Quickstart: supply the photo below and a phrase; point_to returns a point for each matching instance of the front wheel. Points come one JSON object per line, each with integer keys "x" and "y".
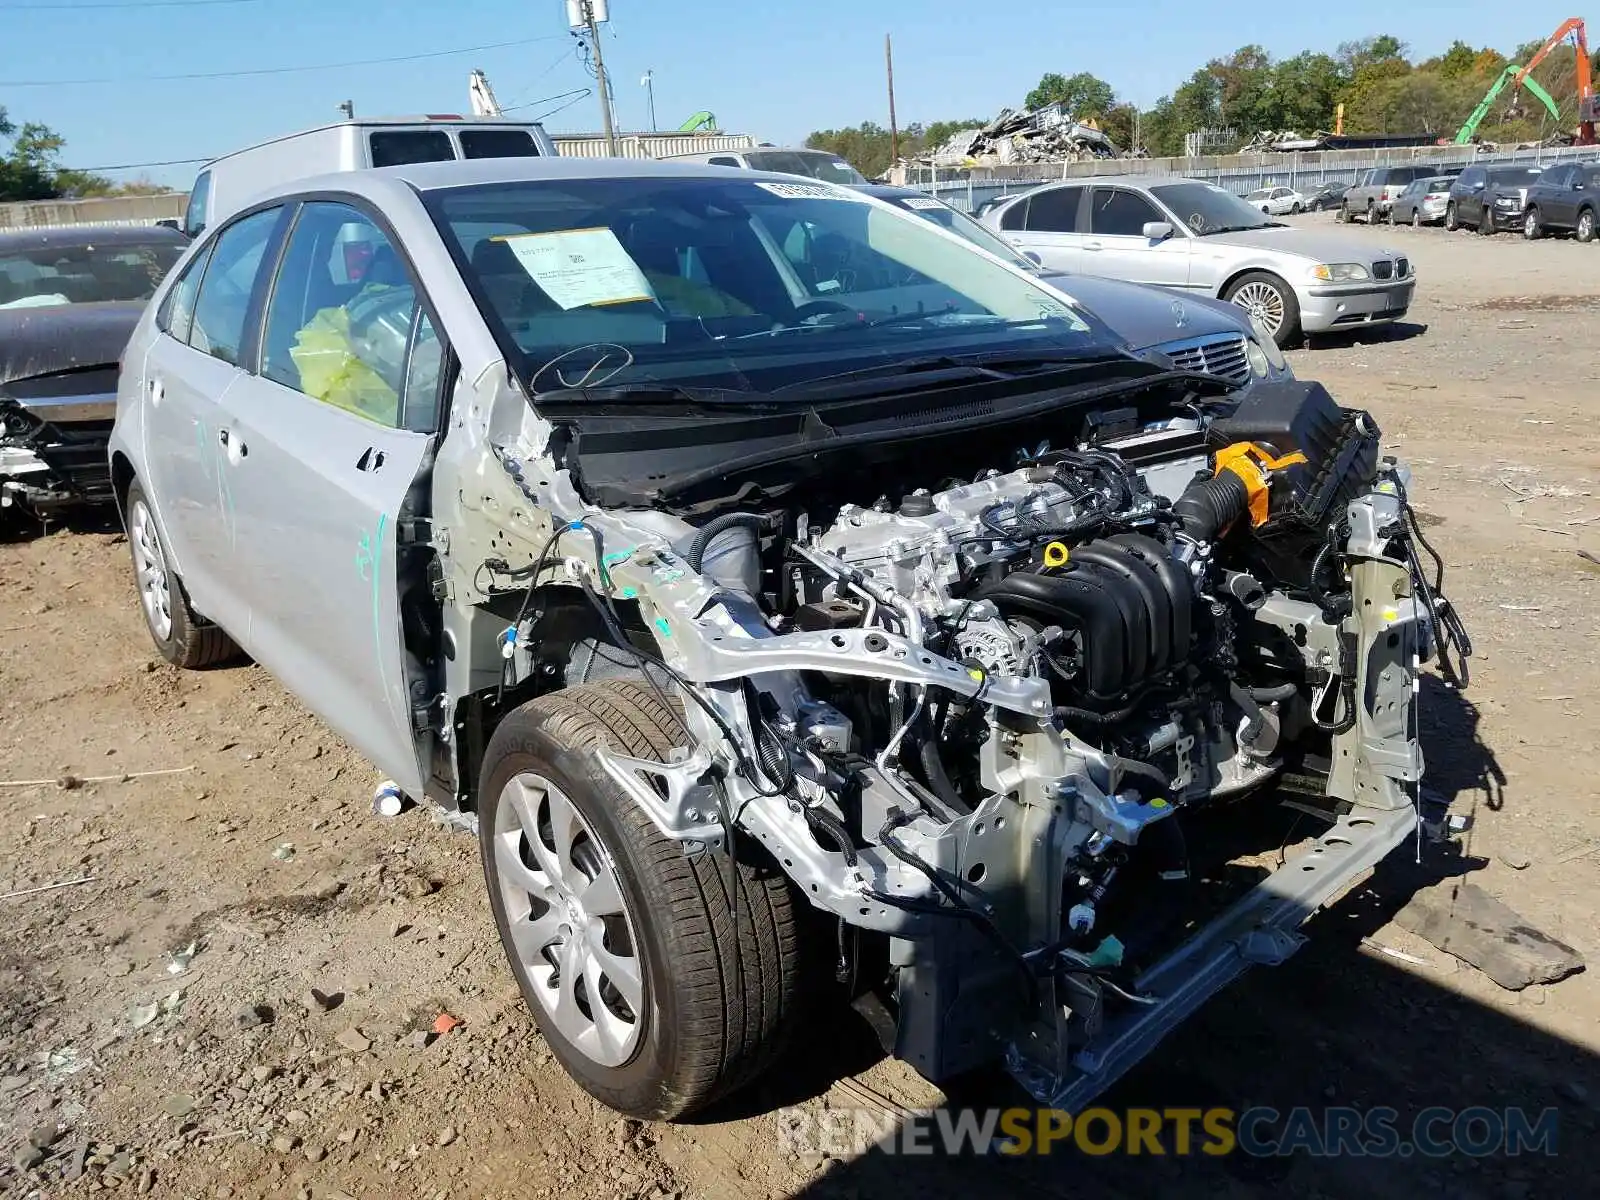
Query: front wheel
{"x": 1268, "y": 298}
{"x": 1343, "y": 215}
{"x": 1486, "y": 223}
{"x": 182, "y": 636}
{"x": 1531, "y": 228}
{"x": 661, "y": 982}
{"x": 1450, "y": 222}
{"x": 1416, "y": 218}
{"x": 1585, "y": 229}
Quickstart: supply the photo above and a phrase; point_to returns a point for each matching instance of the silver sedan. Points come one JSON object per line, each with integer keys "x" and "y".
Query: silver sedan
{"x": 1197, "y": 237}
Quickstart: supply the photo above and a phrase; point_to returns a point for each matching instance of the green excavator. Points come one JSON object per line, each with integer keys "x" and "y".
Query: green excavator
{"x": 701, "y": 120}
{"x": 1507, "y": 76}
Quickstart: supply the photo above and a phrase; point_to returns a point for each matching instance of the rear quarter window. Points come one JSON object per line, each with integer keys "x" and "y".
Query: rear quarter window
{"x": 497, "y": 143}
{"x": 397, "y": 147}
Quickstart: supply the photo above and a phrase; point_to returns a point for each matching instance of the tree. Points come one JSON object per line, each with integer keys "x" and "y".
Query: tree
{"x": 28, "y": 166}
{"x": 1080, "y": 95}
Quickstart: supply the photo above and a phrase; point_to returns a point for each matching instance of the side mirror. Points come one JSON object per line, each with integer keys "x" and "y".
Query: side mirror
{"x": 1033, "y": 258}
{"x": 1157, "y": 231}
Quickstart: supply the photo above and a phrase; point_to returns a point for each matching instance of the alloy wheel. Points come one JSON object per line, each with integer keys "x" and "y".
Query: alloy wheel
{"x": 1262, "y": 301}
{"x": 568, "y": 920}
{"x": 150, "y": 570}
{"x": 1416, "y": 218}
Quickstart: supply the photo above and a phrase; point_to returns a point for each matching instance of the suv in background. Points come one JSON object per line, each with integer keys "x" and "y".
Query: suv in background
{"x": 1377, "y": 188}
{"x": 813, "y": 164}
{"x": 1489, "y": 198}
{"x": 1564, "y": 200}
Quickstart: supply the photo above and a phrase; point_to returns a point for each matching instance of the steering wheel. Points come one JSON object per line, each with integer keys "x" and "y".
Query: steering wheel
{"x": 819, "y": 308}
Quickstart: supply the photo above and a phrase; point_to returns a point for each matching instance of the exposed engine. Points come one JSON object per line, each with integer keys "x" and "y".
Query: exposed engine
{"x": 1127, "y": 574}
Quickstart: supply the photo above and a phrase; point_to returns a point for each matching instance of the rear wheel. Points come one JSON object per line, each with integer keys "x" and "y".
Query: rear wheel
{"x": 182, "y": 636}
{"x": 1531, "y": 229}
{"x": 1416, "y": 218}
{"x": 1267, "y": 297}
{"x": 660, "y": 982}
{"x": 1585, "y": 228}
{"x": 1294, "y": 209}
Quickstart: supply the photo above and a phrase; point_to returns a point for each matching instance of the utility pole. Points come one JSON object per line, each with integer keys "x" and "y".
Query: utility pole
{"x": 600, "y": 77}
{"x": 894, "y": 131}
{"x": 649, "y": 82}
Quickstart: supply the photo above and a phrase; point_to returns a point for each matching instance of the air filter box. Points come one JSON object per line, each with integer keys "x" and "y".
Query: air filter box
{"x": 1340, "y": 446}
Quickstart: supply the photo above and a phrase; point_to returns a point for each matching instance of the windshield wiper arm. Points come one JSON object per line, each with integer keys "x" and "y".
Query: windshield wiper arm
{"x": 994, "y": 364}
{"x": 652, "y": 393}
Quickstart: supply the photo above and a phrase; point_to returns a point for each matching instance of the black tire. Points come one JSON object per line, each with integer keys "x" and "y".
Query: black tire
{"x": 188, "y": 639}
{"x": 1294, "y": 209}
{"x": 1450, "y": 222}
{"x": 1585, "y": 229}
{"x": 1343, "y": 215}
{"x": 1288, "y": 331}
{"x": 1531, "y": 229}
{"x": 1388, "y": 217}
{"x": 720, "y": 979}
{"x": 1486, "y": 222}
{"x": 1372, "y": 213}
{"x": 1416, "y": 218}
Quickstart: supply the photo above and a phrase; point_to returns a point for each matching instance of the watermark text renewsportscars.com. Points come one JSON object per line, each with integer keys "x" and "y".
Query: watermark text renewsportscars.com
{"x": 1435, "y": 1132}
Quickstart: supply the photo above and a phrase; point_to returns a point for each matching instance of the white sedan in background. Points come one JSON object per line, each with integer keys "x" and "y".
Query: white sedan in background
{"x": 1276, "y": 201}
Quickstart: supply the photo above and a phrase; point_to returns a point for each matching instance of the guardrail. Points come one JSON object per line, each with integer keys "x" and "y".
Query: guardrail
{"x": 110, "y": 210}
{"x": 969, "y": 188}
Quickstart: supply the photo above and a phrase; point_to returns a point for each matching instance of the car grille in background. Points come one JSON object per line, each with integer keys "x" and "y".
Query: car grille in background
{"x": 1383, "y": 269}
{"x": 1224, "y": 358}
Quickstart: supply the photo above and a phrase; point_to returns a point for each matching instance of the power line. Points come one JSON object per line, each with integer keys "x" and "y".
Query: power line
{"x": 66, "y": 8}
{"x": 257, "y": 71}
{"x": 170, "y": 162}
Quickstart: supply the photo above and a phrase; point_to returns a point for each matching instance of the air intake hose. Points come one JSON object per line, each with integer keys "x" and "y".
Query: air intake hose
{"x": 702, "y": 539}
{"x": 1209, "y": 506}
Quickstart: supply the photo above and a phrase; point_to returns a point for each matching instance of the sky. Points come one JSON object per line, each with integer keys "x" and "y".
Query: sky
{"x": 773, "y": 68}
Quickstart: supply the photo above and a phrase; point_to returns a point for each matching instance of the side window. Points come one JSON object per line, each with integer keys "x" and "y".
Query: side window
{"x": 194, "y": 215}
{"x": 397, "y": 147}
{"x": 176, "y": 314}
{"x": 1116, "y": 213}
{"x": 343, "y": 322}
{"x": 1054, "y": 211}
{"x": 1015, "y": 217}
{"x": 224, "y": 303}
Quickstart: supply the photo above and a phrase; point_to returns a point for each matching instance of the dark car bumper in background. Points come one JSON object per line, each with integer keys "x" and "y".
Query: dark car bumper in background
{"x": 53, "y": 446}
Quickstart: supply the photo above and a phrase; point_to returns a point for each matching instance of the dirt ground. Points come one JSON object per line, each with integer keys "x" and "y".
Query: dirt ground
{"x": 226, "y": 1077}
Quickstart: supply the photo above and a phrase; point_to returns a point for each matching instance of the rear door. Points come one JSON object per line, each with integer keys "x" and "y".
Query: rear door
{"x": 1045, "y": 224}
{"x": 339, "y": 421}
{"x": 191, "y": 367}
{"x": 1117, "y": 248}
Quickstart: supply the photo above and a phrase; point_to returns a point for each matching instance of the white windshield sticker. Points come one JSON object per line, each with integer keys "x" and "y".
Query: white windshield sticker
{"x": 580, "y": 266}
{"x": 922, "y": 202}
{"x": 806, "y": 191}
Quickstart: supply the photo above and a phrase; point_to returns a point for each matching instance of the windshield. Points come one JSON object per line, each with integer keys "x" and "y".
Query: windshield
{"x": 81, "y": 272}
{"x": 815, "y": 164}
{"x": 731, "y": 283}
{"x": 1516, "y": 177}
{"x": 963, "y": 226}
{"x": 1206, "y": 208}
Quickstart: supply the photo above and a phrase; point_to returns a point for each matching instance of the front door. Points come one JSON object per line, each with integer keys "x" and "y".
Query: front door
{"x": 1116, "y": 245}
{"x": 337, "y": 428}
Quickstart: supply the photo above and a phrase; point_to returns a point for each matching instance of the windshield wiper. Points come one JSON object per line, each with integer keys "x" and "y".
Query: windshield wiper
{"x": 993, "y": 364}
{"x": 652, "y": 393}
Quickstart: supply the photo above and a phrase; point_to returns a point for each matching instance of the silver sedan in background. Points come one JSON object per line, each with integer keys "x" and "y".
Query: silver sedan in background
{"x": 1200, "y": 238}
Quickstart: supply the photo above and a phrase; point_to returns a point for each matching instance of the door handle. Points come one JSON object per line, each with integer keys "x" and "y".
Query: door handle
{"x": 158, "y": 393}
{"x": 1092, "y": 246}
{"x": 235, "y": 447}
{"x": 371, "y": 460}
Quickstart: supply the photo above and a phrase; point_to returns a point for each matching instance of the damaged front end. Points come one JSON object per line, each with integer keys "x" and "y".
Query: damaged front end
{"x": 982, "y": 709}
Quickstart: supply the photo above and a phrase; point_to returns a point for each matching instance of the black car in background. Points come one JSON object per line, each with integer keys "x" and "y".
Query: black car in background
{"x": 1328, "y": 195}
{"x": 1489, "y": 199}
{"x": 1564, "y": 200}
{"x": 69, "y": 299}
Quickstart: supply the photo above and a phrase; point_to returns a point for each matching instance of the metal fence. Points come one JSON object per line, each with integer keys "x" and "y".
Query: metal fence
{"x": 967, "y": 189}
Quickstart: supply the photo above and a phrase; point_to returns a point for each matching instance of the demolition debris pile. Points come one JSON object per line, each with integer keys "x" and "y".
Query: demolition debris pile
{"x": 1039, "y": 135}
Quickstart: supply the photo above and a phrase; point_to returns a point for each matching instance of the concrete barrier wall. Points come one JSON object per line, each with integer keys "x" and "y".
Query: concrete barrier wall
{"x": 112, "y": 210}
